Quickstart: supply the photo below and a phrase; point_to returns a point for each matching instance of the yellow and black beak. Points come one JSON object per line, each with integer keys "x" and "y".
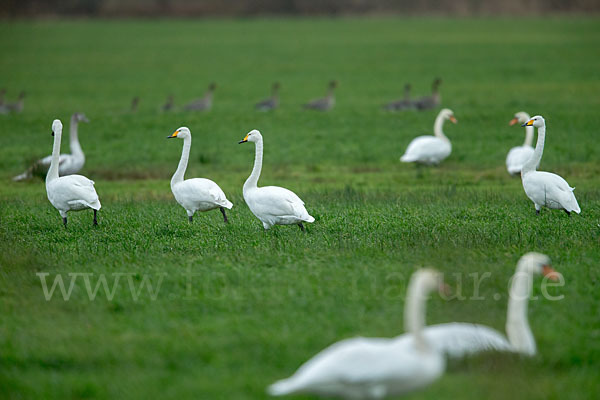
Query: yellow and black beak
{"x": 528, "y": 123}
{"x": 513, "y": 121}
{"x": 453, "y": 119}
{"x": 244, "y": 140}
{"x": 174, "y": 135}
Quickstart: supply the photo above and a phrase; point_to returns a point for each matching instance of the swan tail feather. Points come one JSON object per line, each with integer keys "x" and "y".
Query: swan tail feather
{"x": 227, "y": 204}
{"x": 282, "y": 387}
{"x": 22, "y": 177}
{"x": 309, "y": 218}
{"x": 408, "y": 158}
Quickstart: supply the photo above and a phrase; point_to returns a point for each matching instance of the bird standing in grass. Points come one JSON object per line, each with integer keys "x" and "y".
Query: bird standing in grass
{"x": 433, "y": 101}
{"x": 272, "y": 102}
{"x": 518, "y": 155}
{"x": 71, "y": 192}
{"x": 15, "y": 107}
{"x": 197, "y": 194}
{"x": 205, "y": 103}
{"x": 168, "y": 106}
{"x": 546, "y": 189}
{"x": 272, "y": 205}
{"x": 403, "y": 104}
{"x": 325, "y": 103}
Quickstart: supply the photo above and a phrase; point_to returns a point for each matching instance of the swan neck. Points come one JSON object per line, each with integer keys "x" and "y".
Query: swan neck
{"x": 183, "y": 162}
{"x": 53, "y": 170}
{"x": 74, "y": 138}
{"x": 252, "y": 180}
{"x": 437, "y": 127}
{"x": 528, "y": 136}
{"x": 414, "y": 313}
{"x": 517, "y": 324}
{"x": 535, "y": 159}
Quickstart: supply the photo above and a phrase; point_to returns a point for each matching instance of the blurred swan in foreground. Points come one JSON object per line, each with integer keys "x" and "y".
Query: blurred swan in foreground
{"x": 431, "y": 149}
{"x": 518, "y": 155}
{"x": 272, "y": 102}
{"x": 197, "y": 194}
{"x": 546, "y": 189}
{"x": 403, "y": 104}
{"x": 68, "y": 164}
{"x": 326, "y": 103}
{"x": 374, "y": 368}
{"x": 272, "y": 205}
{"x": 205, "y": 103}
{"x": 72, "y": 192}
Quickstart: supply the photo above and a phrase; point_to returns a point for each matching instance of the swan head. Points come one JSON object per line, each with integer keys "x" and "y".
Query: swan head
{"x": 428, "y": 280}
{"x": 56, "y": 127}
{"x": 537, "y": 264}
{"x": 80, "y": 117}
{"x": 181, "y": 133}
{"x": 252, "y": 136}
{"x": 521, "y": 117}
{"x": 448, "y": 114}
{"x": 538, "y": 121}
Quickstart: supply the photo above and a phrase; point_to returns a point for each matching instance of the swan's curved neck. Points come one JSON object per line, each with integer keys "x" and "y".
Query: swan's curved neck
{"x": 528, "y": 136}
{"x": 437, "y": 127}
{"x": 74, "y": 139}
{"x": 517, "y": 324}
{"x": 535, "y": 159}
{"x": 414, "y": 313}
{"x": 183, "y": 162}
{"x": 252, "y": 180}
{"x": 53, "y": 170}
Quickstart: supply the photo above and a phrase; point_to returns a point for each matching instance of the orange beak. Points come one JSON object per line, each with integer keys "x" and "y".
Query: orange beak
{"x": 444, "y": 290}
{"x": 453, "y": 119}
{"x": 513, "y": 121}
{"x": 550, "y": 273}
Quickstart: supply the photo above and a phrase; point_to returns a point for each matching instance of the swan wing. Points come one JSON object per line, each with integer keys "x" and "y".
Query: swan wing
{"x": 201, "y": 190}
{"x": 551, "y": 190}
{"x": 516, "y": 157}
{"x": 75, "y": 190}
{"x": 278, "y": 202}
{"x": 427, "y": 149}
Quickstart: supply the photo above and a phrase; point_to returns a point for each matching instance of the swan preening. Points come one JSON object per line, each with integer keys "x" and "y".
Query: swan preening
{"x": 326, "y": 103}
{"x": 71, "y": 192}
{"x": 546, "y": 189}
{"x": 518, "y": 155}
{"x": 272, "y": 205}
{"x": 374, "y": 368}
{"x": 431, "y": 149}
{"x": 68, "y": 164}
{"x": 197, "y": 194}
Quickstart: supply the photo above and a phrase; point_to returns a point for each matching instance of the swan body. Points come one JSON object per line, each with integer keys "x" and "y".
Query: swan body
{"x": 198, "y": 194}
{"x": 428, "y": 149}
{"x": 326, "y": 103}
{"x": 272, "y": 205}
{"x": 374, "y": 368}
{"x": 72, "y": 192}
{"x": 518, "y": 155}
{"x": 546, "y": 189}
{"x": 68, "y": 164}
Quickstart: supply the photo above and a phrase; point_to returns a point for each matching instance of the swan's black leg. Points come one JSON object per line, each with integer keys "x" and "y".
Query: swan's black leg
{"x": 537, "y": 212}
{"x": 224, "y": 215}
{"x": 65, "y": 221}
{"x": 301, "y": 227}
{"x": 95, "y": 217}
{"x": 191, "y": 219}
{"x": 568, "y": 212}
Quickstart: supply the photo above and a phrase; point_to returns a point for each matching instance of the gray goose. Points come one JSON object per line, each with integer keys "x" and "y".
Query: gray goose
{"x": 429, "y": 102}
{"x": 16, "y": 107}
{"x": 168, "y": 106}
{"x": 403, "y": 104}
{"x": 325, "y": 103}
{"x": 135, "y": 102}
{"x": 203, "y": 104}
{"x": 270, "y": 103}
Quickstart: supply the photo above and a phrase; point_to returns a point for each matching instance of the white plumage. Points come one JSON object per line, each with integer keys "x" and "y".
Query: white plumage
{"x": 197, "y": 194}
{"x": 72, "y": 192}
{"x": 272, "y": 205}
{"x": 518, "y": 155}
{"x": 546, "y": 189}
{"x": 68, "y": 164}
{"x": 374, "y": 368}
{"x": 431, "y": 149}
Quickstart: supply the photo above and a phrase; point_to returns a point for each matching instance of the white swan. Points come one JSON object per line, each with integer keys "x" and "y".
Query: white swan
{"x": 272, "y": 205}
{"x": 518, "y": 155}
{"x": 545, "y": 188}
{"x": 197, "y": 194}
{"x": 71, "y": 192}
{"x": 374, "y": 368}
{"x": 431, "y": 149}
{"x": 459, "y": 339}
{"x": 68, "y": 164}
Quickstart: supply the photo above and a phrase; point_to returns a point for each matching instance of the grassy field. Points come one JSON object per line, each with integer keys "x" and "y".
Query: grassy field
{"x": 232, "y": 308}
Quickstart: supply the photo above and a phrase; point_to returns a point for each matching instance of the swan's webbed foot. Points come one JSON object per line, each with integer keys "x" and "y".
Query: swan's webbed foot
{"x": 224, "y": 215}
{"x": 65, "y": 221}
{"x": 190, "y": 219}
{"x": 95, "y": 218}
{"x": 301, "y": 227}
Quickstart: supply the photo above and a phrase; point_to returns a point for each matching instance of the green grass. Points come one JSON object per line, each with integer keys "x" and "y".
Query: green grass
{"x": 238, "y": 308}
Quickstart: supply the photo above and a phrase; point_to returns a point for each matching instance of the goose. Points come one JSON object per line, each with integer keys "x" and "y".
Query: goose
{"x": 272, "y": 205}
{"x": 374, "y": 368}
{"x": 459, "y": 339}
{"x": 429, "y": 102}
{"x": 323, "y": 104}
{"x": 205, "y": 103}
{"x": 14, "y": 107}
{"x": 168, "y": 106}
{"x": 403, "y": 104}
{"x": 545, "y": 188}
{"x": 431, "y": 149}
{"x": 2, "y": 95}
{"x": 72, "y": 192}
{"x": 197, "y": 194}
{"x": 135, "y": 102}
{"x": 518, "y": 155}
{"x": 270, "y": 103}
{"x": 68, "y": 163}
